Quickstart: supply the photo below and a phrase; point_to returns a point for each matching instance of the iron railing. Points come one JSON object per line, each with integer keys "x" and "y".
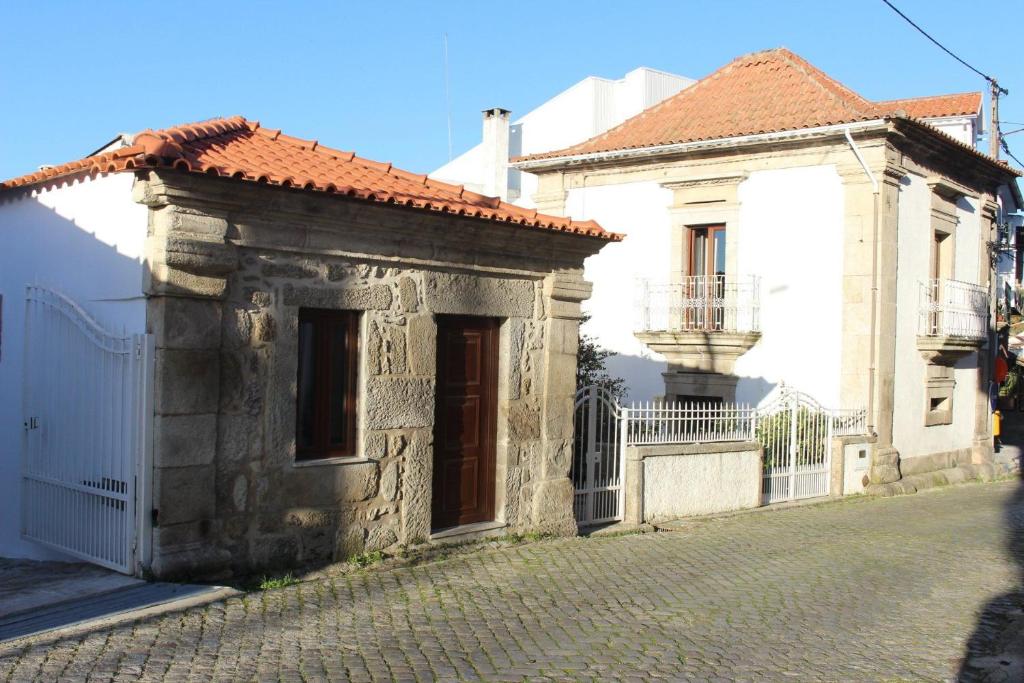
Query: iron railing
{"x": 700, "y": 303}
{"x": 951, "y": 308}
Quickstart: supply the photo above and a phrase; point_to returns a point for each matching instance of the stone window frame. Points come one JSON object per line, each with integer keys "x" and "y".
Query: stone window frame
{"x": 324, "y": 391}
{"x": 938, "y": 407}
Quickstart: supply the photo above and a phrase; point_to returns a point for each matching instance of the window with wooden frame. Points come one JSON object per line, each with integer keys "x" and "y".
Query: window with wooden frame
{"x": 327, "y": 384}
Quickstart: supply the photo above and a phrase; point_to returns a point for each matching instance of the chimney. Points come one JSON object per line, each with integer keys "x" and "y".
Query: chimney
{"x": 495, "y": 152}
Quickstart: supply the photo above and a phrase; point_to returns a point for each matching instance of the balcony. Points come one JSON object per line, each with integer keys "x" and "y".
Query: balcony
{"x": 700, "y": 323}
{"x": 953, "y": 319}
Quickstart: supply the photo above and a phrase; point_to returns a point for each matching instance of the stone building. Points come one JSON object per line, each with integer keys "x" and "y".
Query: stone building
{"x": 346, "y": 356}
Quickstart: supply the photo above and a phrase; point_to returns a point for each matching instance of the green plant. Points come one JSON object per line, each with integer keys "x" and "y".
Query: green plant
{"x": 366, "y": 559}
{"x": 1011, "y": 385}
{"x": 268, "y": 583}
{"x": 776, "y": 431}
{"x": 591, "y": 370}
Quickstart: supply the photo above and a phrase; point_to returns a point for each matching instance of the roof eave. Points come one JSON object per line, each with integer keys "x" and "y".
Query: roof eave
{"x": 654, "y": 151}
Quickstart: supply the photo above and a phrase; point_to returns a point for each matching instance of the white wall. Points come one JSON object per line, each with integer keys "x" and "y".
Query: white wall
{"x": 910, "y": 436}
{"x": 641, "y": 211}
{"x": 87, "y": 241}
{"x": 791, "y": 236}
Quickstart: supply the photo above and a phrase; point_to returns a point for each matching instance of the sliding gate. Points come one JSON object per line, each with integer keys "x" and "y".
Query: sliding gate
{"x": 85, "y": 402}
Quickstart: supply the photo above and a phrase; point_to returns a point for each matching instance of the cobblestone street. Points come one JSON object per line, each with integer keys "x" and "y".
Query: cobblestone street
{"x": 865, "y": 589}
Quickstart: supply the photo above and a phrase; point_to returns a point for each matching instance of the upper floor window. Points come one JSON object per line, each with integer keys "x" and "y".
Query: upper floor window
{"x": 707, "y": 250}
{"x": 327, "y": 383}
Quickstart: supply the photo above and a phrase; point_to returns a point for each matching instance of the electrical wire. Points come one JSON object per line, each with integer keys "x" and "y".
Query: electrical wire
{"x": 944, "y": 48}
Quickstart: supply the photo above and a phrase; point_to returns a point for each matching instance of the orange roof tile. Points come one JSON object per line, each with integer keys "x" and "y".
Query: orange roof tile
{"x": 241, "y": 149}
{"x": 936, "y": 106}
{"x": 763, "y": 92}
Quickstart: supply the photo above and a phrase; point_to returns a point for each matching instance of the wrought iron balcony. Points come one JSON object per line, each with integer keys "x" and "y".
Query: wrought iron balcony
{"x": 699, "y": 303}
{"x": 951, "y": 308}
{"x": 953, "y": 320}
{"x": 700, "y": 324}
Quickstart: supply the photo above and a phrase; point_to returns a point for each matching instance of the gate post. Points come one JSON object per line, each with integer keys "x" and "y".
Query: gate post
{"x": 591, "y": 452}
{"x": 791, "y": 407}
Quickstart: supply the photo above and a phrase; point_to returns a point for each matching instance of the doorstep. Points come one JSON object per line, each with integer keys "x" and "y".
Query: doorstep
{"x": 468, "y": 532}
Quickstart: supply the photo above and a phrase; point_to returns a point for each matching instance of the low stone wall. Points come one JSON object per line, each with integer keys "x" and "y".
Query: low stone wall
{"x": 683, "y": 480}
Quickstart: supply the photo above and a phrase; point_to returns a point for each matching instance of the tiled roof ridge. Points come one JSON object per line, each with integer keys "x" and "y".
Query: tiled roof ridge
{"x": 931, "y": 97}
{"x": 167, "y": 148}
{"x": 830, "y": 86}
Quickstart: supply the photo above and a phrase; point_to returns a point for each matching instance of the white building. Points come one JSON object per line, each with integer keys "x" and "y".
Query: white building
{"x": 781, "y": 228}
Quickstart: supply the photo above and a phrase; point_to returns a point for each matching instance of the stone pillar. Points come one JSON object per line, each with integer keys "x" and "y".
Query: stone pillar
{"x": 550, "y": 195}
{"x": 981, "y": 450}
{"x": 633, "y": 480}
{"x": 188, "y": 262}
{"x": 553, "y": 494}
{"x": 885, "y": 463}
{"x": 864, "y": 309}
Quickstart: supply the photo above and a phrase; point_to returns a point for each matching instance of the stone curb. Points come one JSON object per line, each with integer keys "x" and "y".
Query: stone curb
{"x": 983, "y": 473}
{"x": 219, "y": 594}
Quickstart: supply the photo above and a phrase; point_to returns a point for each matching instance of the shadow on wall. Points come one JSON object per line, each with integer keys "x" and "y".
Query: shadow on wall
{"x": 39, "y": 246}
{"x": 995, "y": 650}
{"x": 643, "y": 376}
{"x": 753, "y": 390}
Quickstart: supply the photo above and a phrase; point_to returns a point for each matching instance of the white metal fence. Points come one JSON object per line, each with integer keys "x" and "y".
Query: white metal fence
{"x": 711, "y": 303}
{"x": 85, "y": 405}
{"x": 951, "y": 308}
{"x": 794, "y": 431}
{"x": 691, "y": 422}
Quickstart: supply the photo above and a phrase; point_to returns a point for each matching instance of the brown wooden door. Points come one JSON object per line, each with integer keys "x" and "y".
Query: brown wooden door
{"x": 464, "y": 421}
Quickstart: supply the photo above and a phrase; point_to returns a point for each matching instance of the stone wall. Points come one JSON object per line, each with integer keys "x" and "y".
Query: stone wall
{"x": 223, "y": 300}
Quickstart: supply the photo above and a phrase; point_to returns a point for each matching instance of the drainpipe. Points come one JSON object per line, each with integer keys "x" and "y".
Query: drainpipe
{"x": 874, "y": 278}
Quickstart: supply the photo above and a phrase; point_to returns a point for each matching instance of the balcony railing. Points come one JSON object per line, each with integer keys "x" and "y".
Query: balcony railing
{"x": 700, "y": 303}
{"x": 951, "y": 308}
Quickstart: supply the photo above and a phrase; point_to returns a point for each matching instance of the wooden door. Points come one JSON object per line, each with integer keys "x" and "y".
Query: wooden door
{"x": 464, "y": 421}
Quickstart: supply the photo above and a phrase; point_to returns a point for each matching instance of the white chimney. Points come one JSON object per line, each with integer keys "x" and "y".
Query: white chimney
{"x": 495, "y": 152}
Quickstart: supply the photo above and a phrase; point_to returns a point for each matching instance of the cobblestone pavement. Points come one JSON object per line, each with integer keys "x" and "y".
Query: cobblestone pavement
{"x": 862, "y": 589}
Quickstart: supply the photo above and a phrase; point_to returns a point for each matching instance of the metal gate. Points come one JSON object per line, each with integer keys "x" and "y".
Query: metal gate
{"x": 85, "y": 402}
{"x": 796, "y": 435}
{"x": 598, "y": 457}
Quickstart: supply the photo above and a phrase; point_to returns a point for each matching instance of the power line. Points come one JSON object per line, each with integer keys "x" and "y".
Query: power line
{"x": 944, "y": 48}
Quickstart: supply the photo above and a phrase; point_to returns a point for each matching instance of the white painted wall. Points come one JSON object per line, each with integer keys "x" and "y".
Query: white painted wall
{"x": 790, "y": 234}
{"x": 962, "y": 128}
{"x": 641, "y": 211}
{"x": 87, "y": 241}
{"x": 685, "y": 483}
{"x": 910, "y": 436}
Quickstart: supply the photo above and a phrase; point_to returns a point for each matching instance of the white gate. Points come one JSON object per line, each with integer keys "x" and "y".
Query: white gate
{"x": 796, "y": 435}
{"x": 85, "y": 406}
{"x": 598, "y": 457}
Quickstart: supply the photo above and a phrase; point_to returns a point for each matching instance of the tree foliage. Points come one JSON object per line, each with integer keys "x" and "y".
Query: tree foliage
{"x": 591, "y": 370}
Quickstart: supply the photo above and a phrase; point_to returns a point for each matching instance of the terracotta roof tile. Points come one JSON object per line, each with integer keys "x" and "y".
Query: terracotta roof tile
{"x": 764, "y": 92}
{"x": 936, "y": 106}
{"x": 241, "y": 149}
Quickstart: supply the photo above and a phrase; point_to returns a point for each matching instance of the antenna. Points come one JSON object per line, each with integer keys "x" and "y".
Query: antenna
{"x": 447, "y": 93}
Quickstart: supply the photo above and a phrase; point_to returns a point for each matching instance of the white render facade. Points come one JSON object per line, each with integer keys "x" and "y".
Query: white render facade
{"x": 86, "y": 239}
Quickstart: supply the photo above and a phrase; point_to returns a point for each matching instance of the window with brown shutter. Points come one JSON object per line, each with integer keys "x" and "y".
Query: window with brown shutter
{"x": 327, "y": 384}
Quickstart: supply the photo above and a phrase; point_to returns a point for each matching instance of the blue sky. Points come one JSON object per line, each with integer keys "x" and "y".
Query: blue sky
{"x": 368, "y": 76}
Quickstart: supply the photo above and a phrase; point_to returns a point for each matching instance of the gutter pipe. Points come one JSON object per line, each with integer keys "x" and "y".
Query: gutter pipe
{"x": 872, "y": 372}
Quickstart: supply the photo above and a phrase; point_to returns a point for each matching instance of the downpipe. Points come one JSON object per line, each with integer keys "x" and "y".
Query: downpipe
{"x": 872, "y": 372}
